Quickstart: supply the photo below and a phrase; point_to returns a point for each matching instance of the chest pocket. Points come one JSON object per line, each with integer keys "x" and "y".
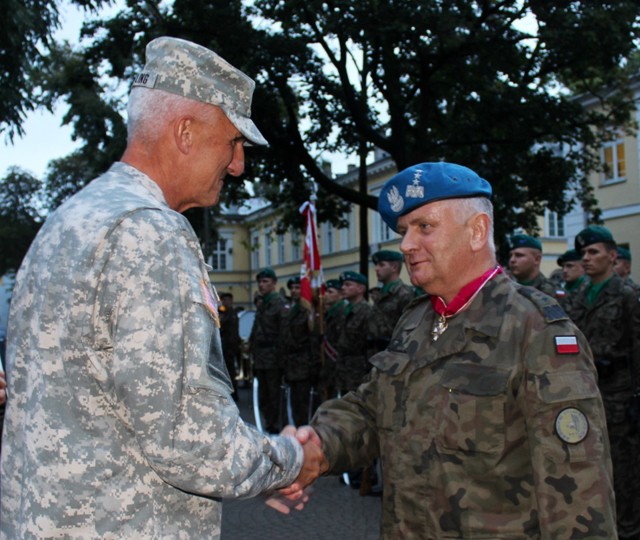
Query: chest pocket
{"x": 471, "y": 409}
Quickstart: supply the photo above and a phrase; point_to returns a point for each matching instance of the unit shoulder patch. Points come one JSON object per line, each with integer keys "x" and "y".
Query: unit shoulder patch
{"x": 572, "y": 425}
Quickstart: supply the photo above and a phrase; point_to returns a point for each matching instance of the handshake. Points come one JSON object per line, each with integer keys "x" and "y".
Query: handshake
{"x": 315, "y": 464}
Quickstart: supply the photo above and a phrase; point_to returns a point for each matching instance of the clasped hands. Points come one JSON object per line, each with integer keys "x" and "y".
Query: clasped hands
{"x": 315, "y": 464}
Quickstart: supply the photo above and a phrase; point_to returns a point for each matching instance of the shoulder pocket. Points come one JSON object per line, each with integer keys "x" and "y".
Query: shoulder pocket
{"x": 203, "y": 351}
{"x": 557, "y": 392}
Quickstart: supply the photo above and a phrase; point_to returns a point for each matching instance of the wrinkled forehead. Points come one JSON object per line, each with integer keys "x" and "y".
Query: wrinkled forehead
{"x": 434, "y": 211}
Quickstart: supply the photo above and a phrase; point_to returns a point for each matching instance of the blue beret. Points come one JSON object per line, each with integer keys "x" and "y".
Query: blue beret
{"x": 354, "y": 276}
{"x": 428, "y": 182}
{"x": 593, "y": 234}
{"x": 266, "y": 273}
{"x": 524, "y": 240}
{"x": 386, "y": 255}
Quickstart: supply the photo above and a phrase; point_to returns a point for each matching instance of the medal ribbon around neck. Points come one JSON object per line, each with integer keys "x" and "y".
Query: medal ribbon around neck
{"x": 460, "y": 302}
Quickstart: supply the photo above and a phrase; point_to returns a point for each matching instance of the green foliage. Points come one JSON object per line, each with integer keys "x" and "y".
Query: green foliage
{"x": 20, "y": 216}
{"x": 25, "y": 24}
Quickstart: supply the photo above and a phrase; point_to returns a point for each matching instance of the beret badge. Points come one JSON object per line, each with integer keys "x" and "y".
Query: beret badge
{"x": 395, "y": 200}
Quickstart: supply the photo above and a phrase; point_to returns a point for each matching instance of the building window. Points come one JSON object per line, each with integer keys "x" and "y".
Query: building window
{"x": 296, "y": 246}
{"x": 347, "y": 235}
{"x": 613, "y": 157}
{"x": 255, "y": 249}
{"x": 327, "y": 238}
{"x": 280, "y": 241}
{"x": 221, "y": 253}
{"x": 555, "y": 224}
{"x": 267, "y": 247}
{"x": 381, "y": 231}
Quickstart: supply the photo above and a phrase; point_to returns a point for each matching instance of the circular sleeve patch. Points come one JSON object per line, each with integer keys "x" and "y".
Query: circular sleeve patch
{"x": 572, "y": 425}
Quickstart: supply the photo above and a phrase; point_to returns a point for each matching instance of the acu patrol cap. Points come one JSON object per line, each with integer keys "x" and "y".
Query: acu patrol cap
{"x": 189, "y": 70}
{"x": 569, "y": 256}
{"x": 266, "y": 273}
{"x": 354, "y": 276}
{"x": 593, "y": 234}
{"x": 293, "y": 281}
{"x": 386, "y": 255}
{"x": 333, "y": 284}
{"x": 524, "y": 240}
{"x": 428, "y": 182}
{"x": 624, "y": 253}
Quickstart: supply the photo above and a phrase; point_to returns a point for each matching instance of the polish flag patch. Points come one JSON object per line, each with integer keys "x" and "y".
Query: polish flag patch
{"x": 567, "y": 345}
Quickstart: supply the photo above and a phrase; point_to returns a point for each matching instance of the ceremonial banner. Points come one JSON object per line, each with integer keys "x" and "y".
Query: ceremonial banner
{"x": 311, "y": 279}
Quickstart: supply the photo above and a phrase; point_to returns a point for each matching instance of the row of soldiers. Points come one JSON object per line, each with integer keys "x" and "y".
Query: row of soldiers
{"x": 599, "y": 295}
{"x": 321, "y": 357}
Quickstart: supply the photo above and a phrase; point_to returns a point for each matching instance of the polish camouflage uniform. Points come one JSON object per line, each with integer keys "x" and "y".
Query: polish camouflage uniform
{"x": 570, "y": 292}
{"x": 267, "y": 364}
{"x": 333, "y": 321}
{"x": 120, "y": 424}
{"x": 543, "y": 284}
{"x": 352, "y": 364}
{"x": 466, "y": 426}
{"x": 300, "y": 363}
{"x": 612, "y": 327}
{"x": 386, "y": 311}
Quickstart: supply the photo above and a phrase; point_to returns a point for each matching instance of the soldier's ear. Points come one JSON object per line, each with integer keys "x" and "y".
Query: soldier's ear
{"x": 480, "y": 226}
{"x": 183, "y": 134}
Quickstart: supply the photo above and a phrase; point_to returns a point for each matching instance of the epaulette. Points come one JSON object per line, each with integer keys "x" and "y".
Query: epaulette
{"x": 550, "y": 309}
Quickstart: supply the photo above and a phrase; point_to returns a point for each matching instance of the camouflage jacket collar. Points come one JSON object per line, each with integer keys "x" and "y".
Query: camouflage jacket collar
{"x": 136, "y": 179}
{"x": 483, "y": 317}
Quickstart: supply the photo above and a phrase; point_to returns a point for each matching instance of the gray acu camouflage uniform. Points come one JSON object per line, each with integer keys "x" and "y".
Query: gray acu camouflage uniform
{"x": 119, "y": 423}
{"x": 464, "y": 426}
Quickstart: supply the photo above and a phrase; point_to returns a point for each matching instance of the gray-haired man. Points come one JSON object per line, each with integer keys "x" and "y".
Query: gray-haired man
{"x": 119, "y": 421}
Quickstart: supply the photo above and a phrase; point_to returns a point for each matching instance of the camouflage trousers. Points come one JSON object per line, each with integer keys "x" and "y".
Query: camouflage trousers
{"x": 625, "y": 456}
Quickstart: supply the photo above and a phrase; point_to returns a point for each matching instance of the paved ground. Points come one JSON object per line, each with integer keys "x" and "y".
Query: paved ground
{"x": 335, "y": 512}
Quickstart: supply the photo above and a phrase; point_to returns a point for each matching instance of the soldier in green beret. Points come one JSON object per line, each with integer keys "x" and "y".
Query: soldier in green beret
{"x": 525, "y": 257}
{"x": 622, "y": 267}
{"x": 607, "y": 311}
{"x": 297, "y": 347}
{"x": 352, "y": 363}
{"x": 573, "y": 277}
{"x": 484, "y": 408}
{"x": 393, "y": 298}
{"x": 263, "y": 346}
{"x": 335, "y": 306}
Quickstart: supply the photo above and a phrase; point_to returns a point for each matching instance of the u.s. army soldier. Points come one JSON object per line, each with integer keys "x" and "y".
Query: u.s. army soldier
{"x": 484, "y": 409}
{"x": 120, "y": 423}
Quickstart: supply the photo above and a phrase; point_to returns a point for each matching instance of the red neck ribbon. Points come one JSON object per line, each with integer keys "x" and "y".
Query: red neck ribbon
{"x": 466, "y": 294}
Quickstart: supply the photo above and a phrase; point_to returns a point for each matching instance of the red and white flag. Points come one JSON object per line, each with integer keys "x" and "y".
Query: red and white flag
{"x": 567, "y": 345}
{"x": 311, "y": 279}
